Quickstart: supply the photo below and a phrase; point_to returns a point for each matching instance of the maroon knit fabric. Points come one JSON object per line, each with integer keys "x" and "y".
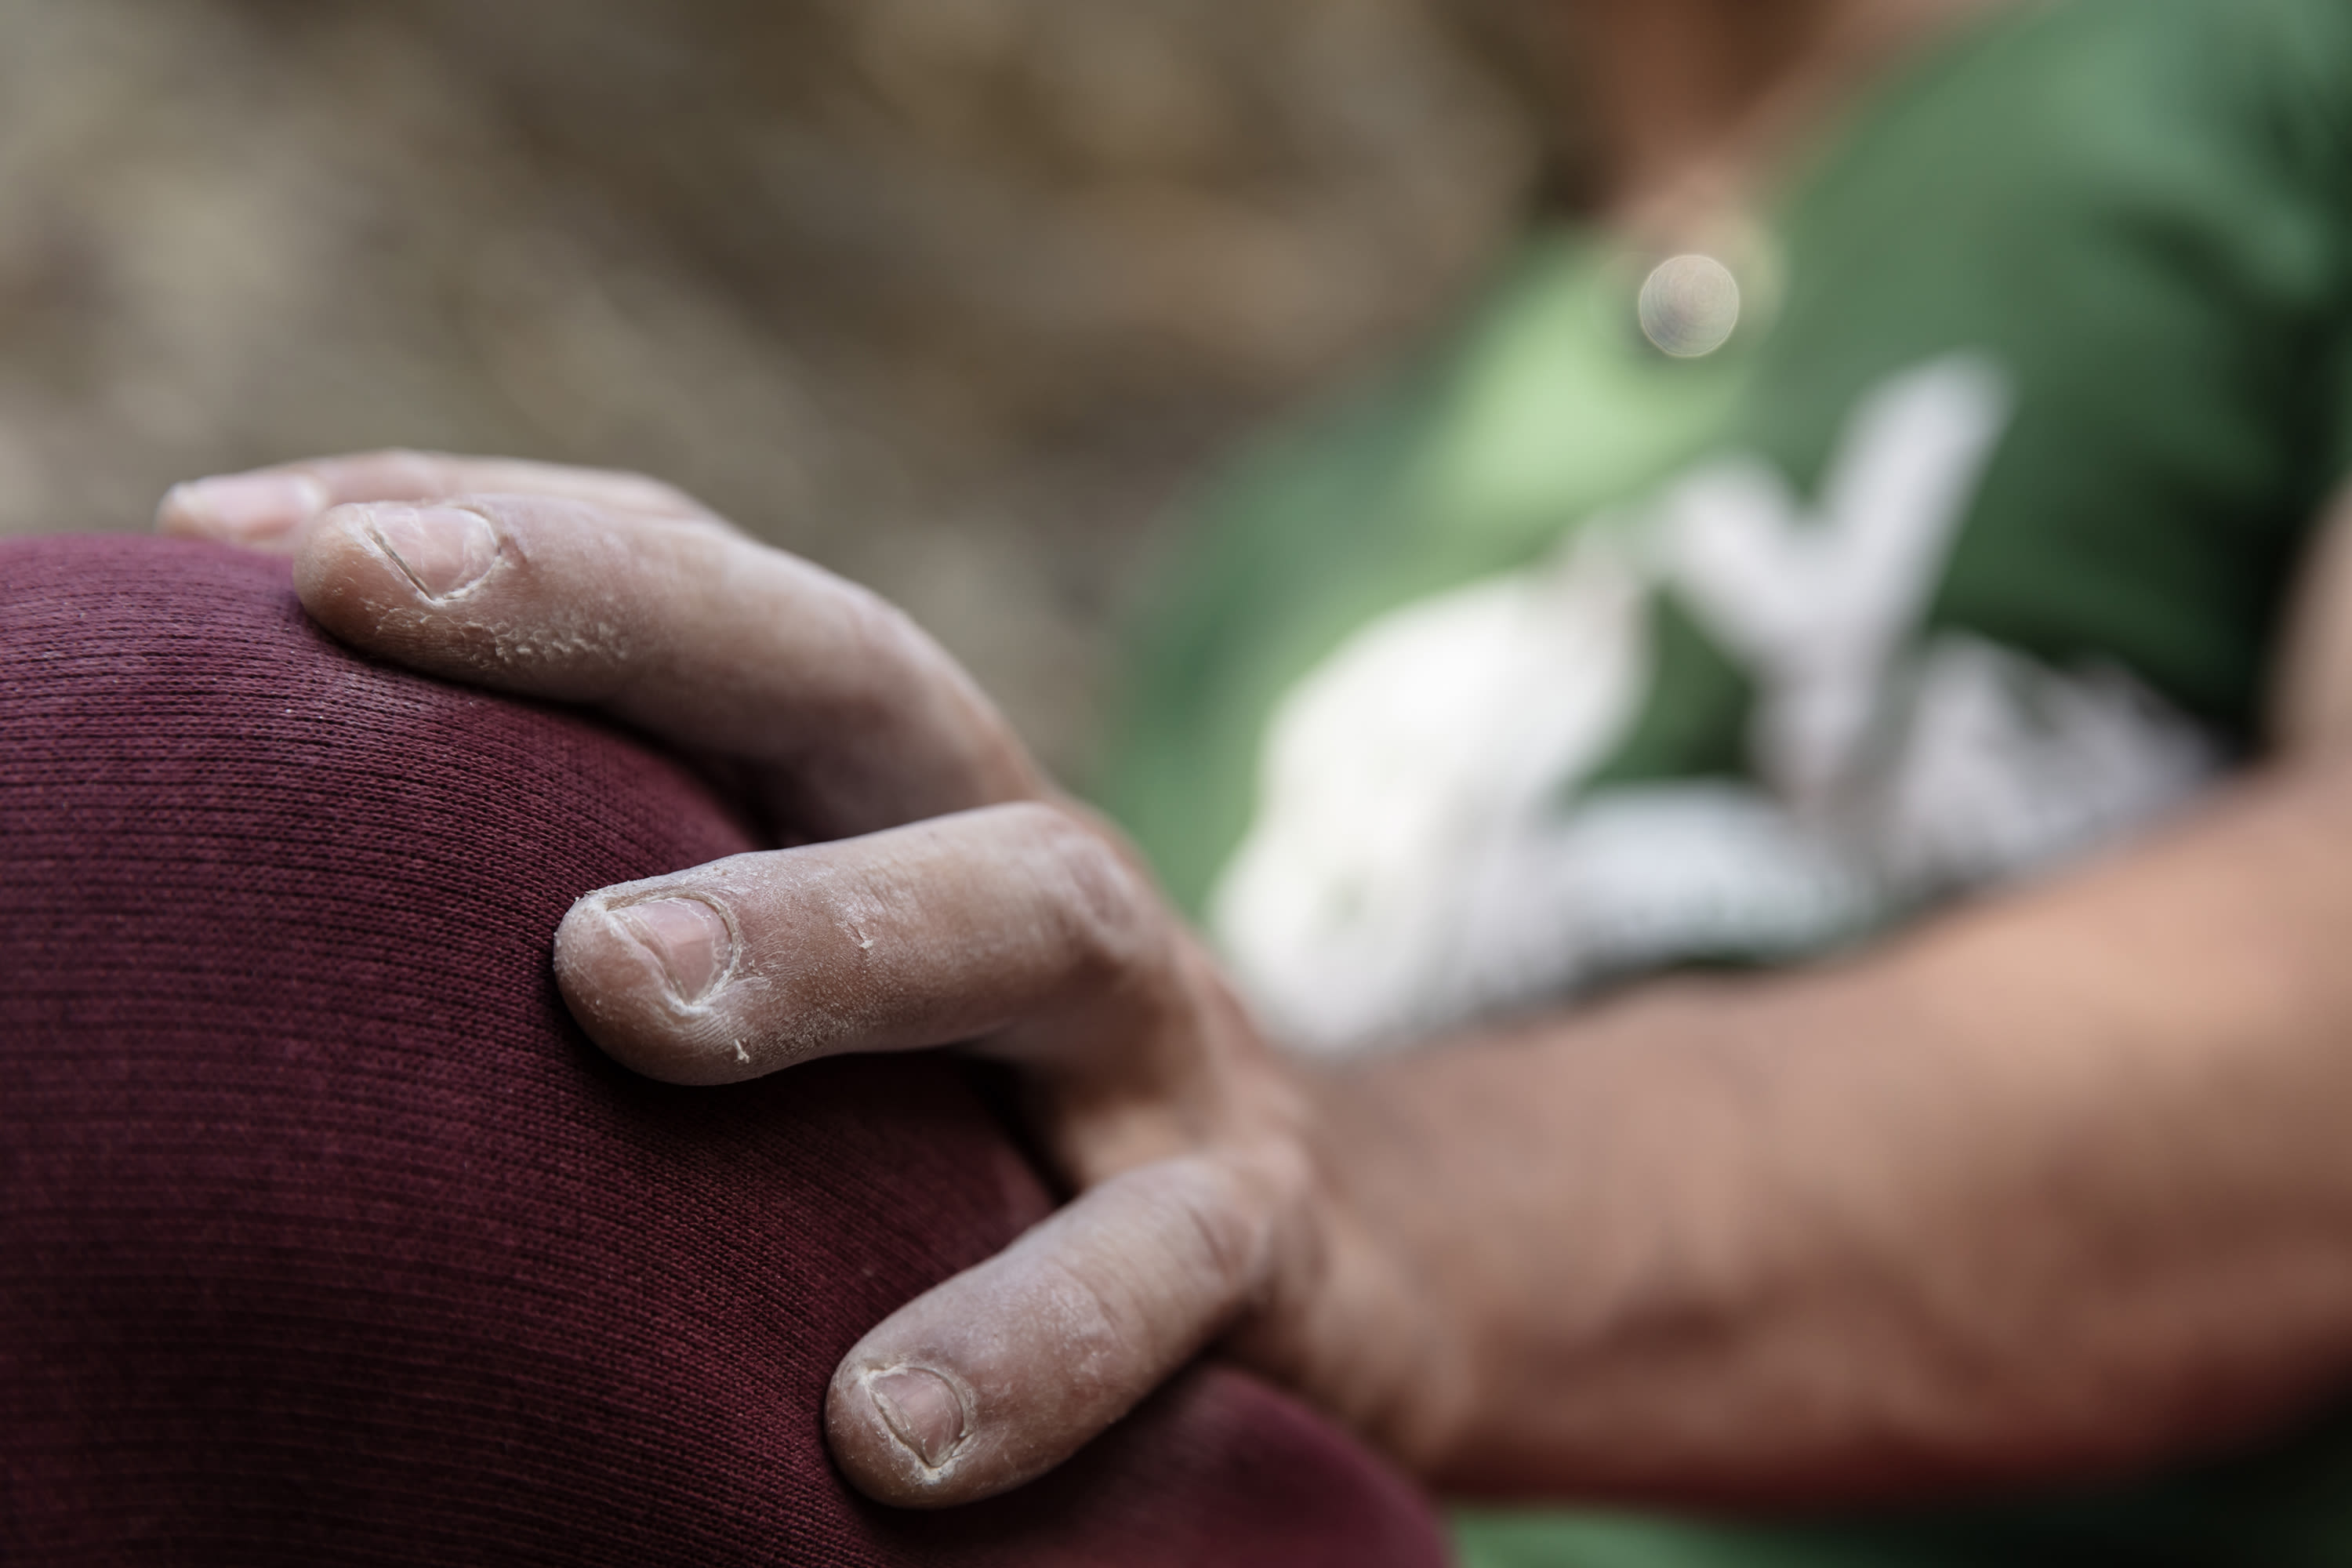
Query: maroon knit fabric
{"x": 326, "y": 1239}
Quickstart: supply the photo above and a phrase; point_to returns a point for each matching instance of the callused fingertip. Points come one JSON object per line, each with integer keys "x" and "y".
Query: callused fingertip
{"x": 626, "y": 967}
{"x": 901, "y": 1431}
{"x": 922, "y": 1410}
{"x": 441, "y": 549}
{"x": 689, "y": 940}
{"x": 242, "y": 509}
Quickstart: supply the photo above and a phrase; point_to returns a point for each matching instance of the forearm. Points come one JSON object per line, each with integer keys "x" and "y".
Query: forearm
{"x": 2059, "y": 1183}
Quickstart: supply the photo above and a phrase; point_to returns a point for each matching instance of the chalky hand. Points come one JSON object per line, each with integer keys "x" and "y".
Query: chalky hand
{"x": 945, "y": 894}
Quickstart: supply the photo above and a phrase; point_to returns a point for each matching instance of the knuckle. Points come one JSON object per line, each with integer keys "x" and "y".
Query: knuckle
{"x": 1108, "y": 916}
{"x": 658, "y": 495}
{"x": 408, "y": 469}
{"x": 882, "y": 629}
{"x": 1098, "y": 1326}
{"x": 1181, "y": 1246}
{"x": 1229, "y": 1236}
{"x": 885, "y": 655}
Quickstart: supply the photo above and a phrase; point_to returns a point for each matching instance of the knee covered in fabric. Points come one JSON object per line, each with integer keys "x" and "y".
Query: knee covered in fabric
{"x": 329, "y": 1238}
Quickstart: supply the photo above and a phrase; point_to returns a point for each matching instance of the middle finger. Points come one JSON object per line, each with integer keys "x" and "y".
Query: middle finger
{"x": 1019, "y": 923}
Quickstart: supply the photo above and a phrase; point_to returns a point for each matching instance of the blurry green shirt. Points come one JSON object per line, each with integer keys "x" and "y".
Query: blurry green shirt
{"x": 1559, "y": 656}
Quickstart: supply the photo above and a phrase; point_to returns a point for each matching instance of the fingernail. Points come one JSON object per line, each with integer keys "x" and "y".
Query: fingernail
{"x": 687, "y": 937}
{"x": 442, "y": 549}
{"x": 921, "y": 1410}
{"x": 249, "y": 507}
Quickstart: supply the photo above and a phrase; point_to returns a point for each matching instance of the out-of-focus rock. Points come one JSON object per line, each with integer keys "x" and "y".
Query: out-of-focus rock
{"x": 947, "y": 294}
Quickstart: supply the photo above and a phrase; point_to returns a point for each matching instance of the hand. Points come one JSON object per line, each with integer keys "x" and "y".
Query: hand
{"x": 2048, "y": 1187}
{"x": 946, "y": 893}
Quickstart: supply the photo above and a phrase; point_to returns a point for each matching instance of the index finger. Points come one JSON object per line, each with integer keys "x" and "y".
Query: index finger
{"x": 266, "y": 508}
{"x": 851, "y": 718}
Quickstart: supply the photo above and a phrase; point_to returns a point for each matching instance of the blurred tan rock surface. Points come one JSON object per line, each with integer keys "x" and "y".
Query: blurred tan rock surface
{"x": 951, "y": 295}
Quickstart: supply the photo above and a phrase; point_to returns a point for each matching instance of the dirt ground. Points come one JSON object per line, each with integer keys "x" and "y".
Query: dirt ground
{"x": 954, "y": 296}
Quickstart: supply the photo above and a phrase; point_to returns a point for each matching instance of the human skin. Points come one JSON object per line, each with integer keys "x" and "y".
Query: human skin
{"x": 2048, "y": 1187}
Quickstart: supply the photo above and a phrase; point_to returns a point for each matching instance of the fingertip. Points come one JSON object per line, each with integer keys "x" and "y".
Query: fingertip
{"x": 443, "y": 550}
{"x": 993, "y": 1377}
{"x": 342, "y": 582}
{"x": 688, "y": 937}
{"x": 902, "y": 1433}
{"x": 261, "y": 510}
{"x": 641, "y": 974}
{"x": 398, "y": 554}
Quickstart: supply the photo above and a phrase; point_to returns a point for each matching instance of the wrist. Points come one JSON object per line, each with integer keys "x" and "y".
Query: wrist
{"x": 1367, "y": 1314}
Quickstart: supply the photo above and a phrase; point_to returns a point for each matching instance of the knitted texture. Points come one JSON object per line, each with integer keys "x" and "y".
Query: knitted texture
{"x": 325, "y": 1238}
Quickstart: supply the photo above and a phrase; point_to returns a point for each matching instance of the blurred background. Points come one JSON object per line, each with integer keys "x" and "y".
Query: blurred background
{"x": 954, "y": 296}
